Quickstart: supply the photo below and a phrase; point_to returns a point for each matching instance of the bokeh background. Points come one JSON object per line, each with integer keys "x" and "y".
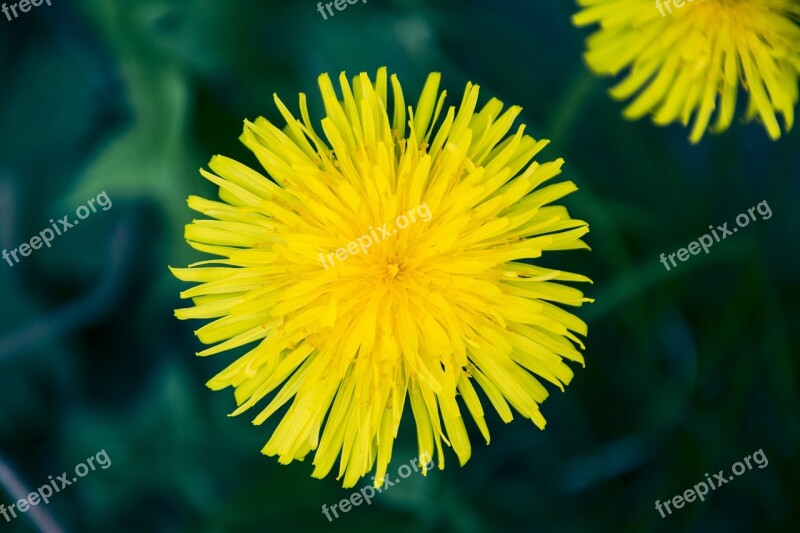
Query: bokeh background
{"x": 687, "y": 371}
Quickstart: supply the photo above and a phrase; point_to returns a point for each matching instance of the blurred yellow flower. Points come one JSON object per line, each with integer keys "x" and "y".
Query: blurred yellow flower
{"x": 683, "y": 64}
{"x": 424, "y": 313}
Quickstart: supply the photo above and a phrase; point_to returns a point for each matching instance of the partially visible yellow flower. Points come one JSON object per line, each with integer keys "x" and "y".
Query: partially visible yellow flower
{"x": 686, "y": 62}
{"x": 432, "y": 311}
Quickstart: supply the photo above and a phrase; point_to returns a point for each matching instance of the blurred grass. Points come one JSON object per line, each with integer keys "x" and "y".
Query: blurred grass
{"x": 687, "y": 371}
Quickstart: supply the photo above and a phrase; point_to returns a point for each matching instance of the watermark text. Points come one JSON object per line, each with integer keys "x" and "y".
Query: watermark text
{"x": 706, "y": 241}
{"x": 700, "y": 490}
{"x": 46, "y": 236}
{"x": 45, "y": 492}
{"x": 364, "y": 242}
{"x": 368, "y": 491}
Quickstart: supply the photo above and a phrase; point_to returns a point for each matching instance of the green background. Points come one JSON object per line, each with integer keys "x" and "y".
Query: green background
{"x": 687, "y": 371}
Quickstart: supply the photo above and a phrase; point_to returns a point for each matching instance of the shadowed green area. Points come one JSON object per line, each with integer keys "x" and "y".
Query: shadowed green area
{"x": 688, "y": 370}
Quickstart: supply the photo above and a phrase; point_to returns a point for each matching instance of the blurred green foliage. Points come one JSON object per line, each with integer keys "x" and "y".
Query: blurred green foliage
{"x": 687, "y": 371}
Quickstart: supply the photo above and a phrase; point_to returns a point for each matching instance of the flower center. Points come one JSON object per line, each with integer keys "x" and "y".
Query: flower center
{"x": 391, "y": 270}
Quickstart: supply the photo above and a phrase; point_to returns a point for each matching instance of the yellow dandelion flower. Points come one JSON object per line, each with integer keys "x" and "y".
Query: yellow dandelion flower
{"x": 381, "y": 262}
{"x": 684, "y": 60}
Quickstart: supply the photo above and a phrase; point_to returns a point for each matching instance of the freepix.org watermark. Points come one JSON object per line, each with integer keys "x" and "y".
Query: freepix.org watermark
{"x": 53, "y": 486}
{"x": 705, "y": 242}
{"x": 24, "y": 6}
{"x": 666, "y": 3}
{"x": 701, "y": 489}
{"x": 368, "y": 491}
{"x": 364, "y": 242}
{"x": 47, "y": 235}
{"x": 340, "y": 5}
